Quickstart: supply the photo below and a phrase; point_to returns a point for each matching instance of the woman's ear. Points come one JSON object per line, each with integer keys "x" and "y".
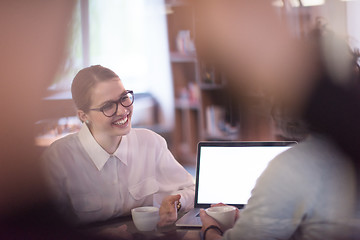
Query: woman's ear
{"x": 82, "y": 116}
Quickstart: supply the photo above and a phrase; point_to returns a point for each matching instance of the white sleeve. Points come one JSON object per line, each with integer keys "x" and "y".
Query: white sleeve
{"x": 173, "y": 178}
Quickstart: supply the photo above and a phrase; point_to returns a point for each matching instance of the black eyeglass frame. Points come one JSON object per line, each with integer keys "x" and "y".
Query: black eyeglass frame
{"x": 101, "y": 109}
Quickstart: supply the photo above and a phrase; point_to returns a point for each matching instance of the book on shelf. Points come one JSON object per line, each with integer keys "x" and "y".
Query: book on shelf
{"x": 216, "y": 125}
{"x": 184, "y": 43}
{"x": 188, "y": 96}
{"x": 214, "y": 118}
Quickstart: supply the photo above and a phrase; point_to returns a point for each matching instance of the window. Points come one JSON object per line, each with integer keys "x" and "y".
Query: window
{"x": 129, "y": 37}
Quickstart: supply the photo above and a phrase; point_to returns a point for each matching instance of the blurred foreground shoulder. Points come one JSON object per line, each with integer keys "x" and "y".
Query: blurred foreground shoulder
{"x": 63, "y": 143}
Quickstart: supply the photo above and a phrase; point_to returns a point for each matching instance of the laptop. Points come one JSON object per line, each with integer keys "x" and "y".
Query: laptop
{"x": 226, "y": 172}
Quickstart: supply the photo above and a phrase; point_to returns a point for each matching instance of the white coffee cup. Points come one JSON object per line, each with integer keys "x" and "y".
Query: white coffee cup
{"x": 145, "y": 218}
{"x": 224, "y": 215}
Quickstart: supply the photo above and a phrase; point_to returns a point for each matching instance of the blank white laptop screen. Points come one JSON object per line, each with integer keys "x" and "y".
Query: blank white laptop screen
{"x": 227, "y": 174}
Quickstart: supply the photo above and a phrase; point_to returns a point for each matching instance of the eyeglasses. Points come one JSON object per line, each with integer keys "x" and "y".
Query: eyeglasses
{"x": 111, "y": 107}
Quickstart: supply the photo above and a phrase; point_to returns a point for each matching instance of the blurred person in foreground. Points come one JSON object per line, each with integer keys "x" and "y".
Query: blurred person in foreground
{"x": 32, "y": 44}
{"x": 108, "y": 167}
{"x": 312, "y": 190}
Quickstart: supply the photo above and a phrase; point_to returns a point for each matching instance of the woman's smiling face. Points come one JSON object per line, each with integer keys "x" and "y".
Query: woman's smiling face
{"x": 99, "y": 124}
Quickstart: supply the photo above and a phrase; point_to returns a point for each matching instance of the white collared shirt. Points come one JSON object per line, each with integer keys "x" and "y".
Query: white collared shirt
{"x": 92, "y": 185}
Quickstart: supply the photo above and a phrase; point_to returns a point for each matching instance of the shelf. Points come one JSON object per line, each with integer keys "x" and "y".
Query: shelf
{"x": 221, "y": 138}
{"x": 211, "y": 86}
{"x": 184, "y": 104}
{"x": 176, "y": 3}
{"x": 178, "y": 57}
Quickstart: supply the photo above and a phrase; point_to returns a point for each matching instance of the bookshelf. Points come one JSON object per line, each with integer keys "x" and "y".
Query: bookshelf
{"x": 204, "y": 108}
{"x": 198, "y": 89}
{"x": 184, "y": 65}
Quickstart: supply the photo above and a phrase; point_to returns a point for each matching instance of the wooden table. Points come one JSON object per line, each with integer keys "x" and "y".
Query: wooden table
{"x": 171, "y": 232}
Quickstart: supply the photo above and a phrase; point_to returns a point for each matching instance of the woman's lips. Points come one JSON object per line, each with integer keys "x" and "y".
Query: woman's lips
{"x": 121, "y": 121}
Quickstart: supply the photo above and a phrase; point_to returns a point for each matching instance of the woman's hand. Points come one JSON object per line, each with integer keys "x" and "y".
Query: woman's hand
{"x": 168, "y": 210}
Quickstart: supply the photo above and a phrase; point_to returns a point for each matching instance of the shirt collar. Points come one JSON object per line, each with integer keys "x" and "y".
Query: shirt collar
{"x": 96, "y": 153}
{"x": 122, "y": 151}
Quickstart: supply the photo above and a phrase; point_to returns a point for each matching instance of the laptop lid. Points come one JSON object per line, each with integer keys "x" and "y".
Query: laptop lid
{"x": 227, "y": 171}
